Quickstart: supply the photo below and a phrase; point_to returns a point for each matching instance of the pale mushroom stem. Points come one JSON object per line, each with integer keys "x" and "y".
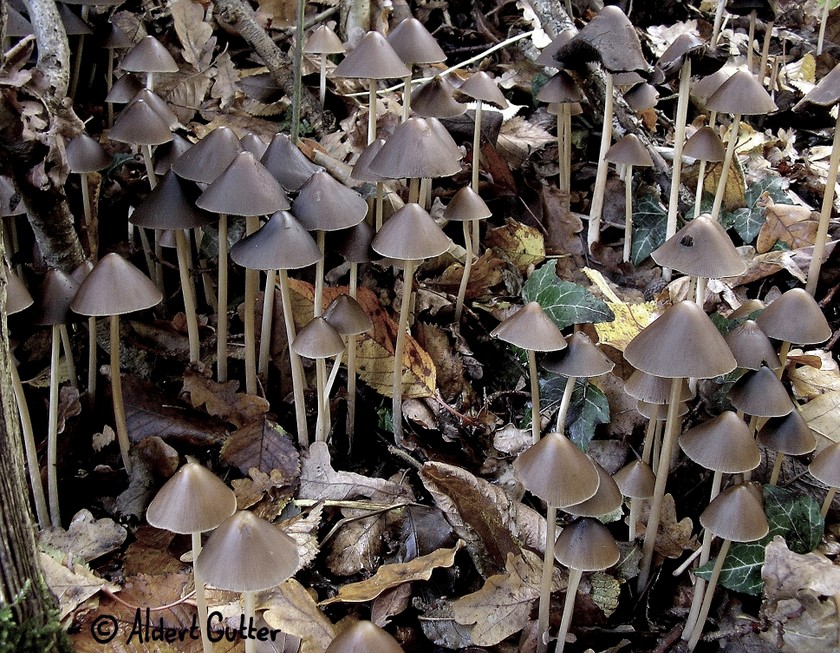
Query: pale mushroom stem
{"x": 351, "y": 363}
{"x": 68, "y": 355}
{"x": 249, "y": 611}
{"x": 52, "y": 432}
{"x": 777, "y": 467}
{"x": 222, "y": 302}
{"x": 628, "y": 211}
{"x": 476, "y": 144}
{"x": 157, "y": 268}
{"x": 399, "y": 350}
{"x": 200, "y": 595}
{"x": 545, "y": 584}
{"x": 825, "y": 213}
{"x": 297, "y": 63}
{"x": 322, "y": 85}
{"x": 650, "y": 435}
{"x": 465, "y": 277}
{"x": 657, "y": 441}
{"x": 568, "y": 608}
{"x": 109, "y": 84}
{"x": 189, "y": 298}
{"x": 147, "y": 250}
{"x": 662, "y": 469}
{"x": 829, "y": 498}
{"x": 318, "y": 309}
{"x": 77, "y": 64}
{"x": 371, "y": 111}
{"x": 700, "y": 291}
{"x": 321, "y": 427}
{"x": 727, "y": 161}
{"x": 267, "y": 321}
{"x": 697, "y": 631}
{"x": 765, "y": 51}
{"x": 86, "y": 206}
{"x": 633, "y": 518}
{"x": 784, "y": 348}
{"x": 594, "y": 231}
{"x": 750, "y": 41}
{"x": 567, "y": 127}
{"x": 413, "y": 190}
{"x": 565, "y": 402}
{"x": 823, "y": 25}
{"x": 561, "y": 150}
{"x": 701, "y": 175}
{"x": 91, "y": 381}
{"x": 252, "y": 280}
{"x": 294, "y": 360}
{"x": 679, "y": 142}
{"x": 535, "y": 396}
{"x": 718, "y": 22}
{"x": 116, "y": 391}
{"x": 320, "y": 384}
{"x": 30, "y": 450}
{"x": 407, "y": 94}
{"x": 380, "y": 195}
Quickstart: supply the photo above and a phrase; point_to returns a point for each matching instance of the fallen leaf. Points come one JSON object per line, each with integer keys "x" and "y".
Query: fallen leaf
{"x": 734, "y": 195}
{"x": 392, "y": 575}
{"x": 450, "y": 369}
{"x": 785, "y": 573}
{"x": 150, "y": 551}
{"x": 561, "y": 225}
{"x": 303, "y": 529}
{"x": 606, "y": 591}
{"x": 276, "y": 13}
{"x": 674, "y": 536}
{"x": 71, "y": 586}
{"x": 524, "y": 246}
{"x": 195, "y": 34}
{"x": 224, "y": 83}
{"x": 565, "y": 303}
{"x": 512, "y": 440}
{"x": 486, "y": 272}
{"x": 760, "y": 266}
{"x": 263, "y": 444}
{"x": 793, "y": 226}
{"x": 822, "y": 415}
{"x": 358, "y": 545}
{"x": 518, "y": 139}
{"x": 291, "y": 608}
{"x": 222, "y": 399}
{"x": 629, "y": 320}
{"x": 268, "y": 492}
{"x": 389, "y": 604}
{"x": 68, "y": 405}
{"x": 86, "y": 538}
{"x": 162, "y": 458}
{"x": 809, "y": 382}
{"x": 131, "y": 503}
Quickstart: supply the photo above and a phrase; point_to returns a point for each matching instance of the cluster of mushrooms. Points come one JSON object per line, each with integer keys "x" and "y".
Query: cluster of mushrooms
{"x": 290, "y": 204}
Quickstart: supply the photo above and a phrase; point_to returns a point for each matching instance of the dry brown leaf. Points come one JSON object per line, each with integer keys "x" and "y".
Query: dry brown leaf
{"x": 292, "y": 609}
{"x": 263, "y": 444}
{"x": 561, "y": 225}
{"x": 196, "y": 35}
{"x": 357, "y": 546}
{"x": 276, "y": 13}
{"x": 823, "y": 415}
{"x": 794, "y": 226}
{"x": 504, "y": 603}
{"x": 184, "y": 92}
{"x": 810, "y": 381}
{"x": 162, "y": 458}
{"x": 150, "y": 551}
{"x": 389, "y": 604}
{"x": 374, "y": 349}
{"x": 524, "y": 246}
{"x": 734, "y": 196}
{"x": 450, "y": 368}
{"x": 224, "y": 83}
{"x": 261, "y": 488}
{"x": 71, "y": 586}
{"x": 518, "y": 139}
{"x": 760, "y": 266}
{"x": 785, "y": 573}
{"x": 86, "y": 538}
{"x": 303, "y": 529}
{"x": 393, "y": 575}
{"x": 674, "y": 536}
{"x": 222, "y": 399}
{"x": 486, "y": 272}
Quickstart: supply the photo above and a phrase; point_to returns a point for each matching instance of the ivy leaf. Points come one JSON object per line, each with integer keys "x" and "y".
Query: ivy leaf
{"x": 588, "y": 407}
{"x": 649, "y": 218}
{"x": 566, "y": 303}
{"x": 741, "y": 570}
{"x": 749, "y": 220}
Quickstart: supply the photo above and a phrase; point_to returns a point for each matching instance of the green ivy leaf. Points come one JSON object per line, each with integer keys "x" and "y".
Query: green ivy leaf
{"x": 741, "y": 570}
{"x": 565, "y": 303}
{"x": 649, "y": 221}
{"x": 588, "y": 407}
{"x": 748, "y": 221}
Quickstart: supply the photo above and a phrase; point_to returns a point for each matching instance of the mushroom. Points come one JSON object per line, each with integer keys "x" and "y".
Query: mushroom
{"x": 706, "y": 87}
{"x": 682, "y": 343}
{"x": 605, "y": 501}
{"x": 287, "y": 163}
{"x": 169, "y": 153}
{"x": 531, "y": 329}
{"x": 252, "y": 143}
{"x": 642, "y": 97}
{"x": 787, "y": 435}
{"x": 751, "y": 347}
{"x": 555, "y": 470}
{"x": 124, "y": 88}
{"x": 247, "y": 554}
{"x": 115, "y": 287}
{"x": 414, "y": 45}
{"x": 823, "y": 24}
{"x": 191, "y": 502}
{"x": 760, "y": 393}
{"x": 85, "y": 155}
{"x": 825, "y": 467}
{"x": 635, "y": 480}
{"x": 323, "y": 42}
{"x": 149, "y": 56}
{"x": 563, "y": 91}
{"x": 410, "y": 235}
{"x": 705, "y": 146}
{"x": 363, "y": 637}
{"x": 361, "y": 172}
{"x": 755, "y": 9}
{"x": 116, "y": 39}
{"x": 628, "y": 152}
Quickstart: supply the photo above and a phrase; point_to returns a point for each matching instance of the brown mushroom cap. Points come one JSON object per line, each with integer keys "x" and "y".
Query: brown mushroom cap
{"x": 287, "y": 163}
{"x": 280, "y": 244}
{"x": 742, "y": 94}
{"x": 140, "y": 124}
{"x": 556, "y": 471}
{"x": 429, "y": 155}
{"x": 116, "y": 39}
{"x": 560, "y": 89}
{"x": 481, "y": 86}
{"x": 795, "y": 317}
{"x": 466, "y": 205}
{"x": 149, "y": 56}
{"x": 414, "y": 44}
{"x": 171, "y": 205}
{"x": 85, "y": 154}
{"x": 724, "y": 443}
{"x": 322, "y": 40}
{"x": 114, "y": 287}
{"x": 629, "y": 151}
{"x": 647, "y": 409}
{"x": 642, "y": 97}
{"x": 826, "y": 93}
{"x": 705, "y": 88}
{"x": 761, "y": 393}
{"x": 318, "y": 339}
{"x": 607, "y": 499}
{"x": 705, "y": 145}
{"x": 363, "y": 637}
{"x": 170, "y": 152}
{"x": 445, "y": 137}
{"x": 581, "y": 358}
{"x": 324, "y": 204}
{"x": 751, "y": 347}
{"x": 546, "y": 57}
{"x": 682, "y": 342}
{"x": 411, "y": 234}
{"x": 361, "y": 169}
{"x": 252, "y": 143}
{"x": 789, "y": 435}
{"x": 17, "y": 296}
{"x": 54, "y": 297}
{"x": 436, "y": 99}
{"x": 372, "y": 58}
{"x": 825, "y": 467}
{"x": 158, "y": 104}
{"x": 247, "y": 554}
{"x": 701, "y": 248}
{"x": 347, "y": 316}
{"x": 586, "y": 545}
{"x": 704, "y": 61}
{"x": 193, "y": 500}
{"x": 530, "y": 328}
{"x": 209, "y": 157}
{"x": 736, "y": 514}
{"x": 764, "y": 9}
{"x": 244, "y": 188}
{"x": 354, "y": 244}
{"x": 73, "y": 25}
{"x": 124, "y": 88}
{"x": 635, "y": 480}
{"x": 652, "y": 389}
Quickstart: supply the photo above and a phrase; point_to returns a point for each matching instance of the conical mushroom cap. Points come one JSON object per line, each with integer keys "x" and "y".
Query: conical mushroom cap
{"x": 581, "y": 358}
{"x": 751, "y": 347}
{"x": 736, "y": 514}
{"x": 648, "y": 410}
{"x": 252, "y": 143}
{"x": 530, "y": 328}
{"x": 209, "y": 157}
{"x": 247, "y": 554}
{"x": 429, "y": 155}
{"x": 364, "y": 637}
{"x": 636, "y": 480}
{"x": 85, "y": 154}
{"x": 149, "y": 56}
{"x": 761, "y": 393}
{"x": 171, "y": 205}
{"x": 11, "y": 202}
{"x": 54, "y": 298}
{"x": 244, "y": 188}
{"x": 705, "y": 145}
{"x": 682, "y": 342}
{"x": 116, "y": 39}
{"x": 827, "y": 92}
{"x": 705, "y": 88}
{"x": 324, "y": 204}
{"x": 260, "y": 87}
{"x": 372, "y": 58}
{"x": 318, "y": 339}
{"x": 653, "y": 389}
{"x": 16, "y": 25}
{"x": 124, "y": 88}
{"x": 81, "y": 271}
{"x": 789, "y": 435}
{"x": 560, "y": 89}
{"x": 747, "y": 309}
{"x": 347, "y": 316}
{"x": 546, "y": 57}
{"x": 481, "y": 86}
{"x": 722, "y": 444}
{"x": 630, "y": 78}
{"x": 642, "y": 97}
{"x": 414, "y": 44}
{"x": 114, "y": 287}
{"x": 193, "y": 500}
{"x": 411, "y": 234}
{"x": 795, "y": 317}
{"x": 466, "y": 205}
{"x": 764, "y": 9}
{"x": 287, "y": 163}
{"x": 361, "y": 169}
{"x": 73, "y": 25}
{"x": 140, "y": 124}
{"x": 704, "y": 60}
{"x": 17, "y": 296}
{"x": 702, "y": 249}
{"x": 354, "y": 244}
{"x": 280, "y": 244}
{"x": 629, "y": 151}
{"x": 322, "y": 40}
{"x": 445, "y": 137}
{"x": 607, "y": 499}
{"x": 158, "y": 104}
{"x": 825, "y": 467}
{"x": 742, "y": 94}
{"x": 586, "y": 545}
{"x": 557, "y": 472}
{"x": 170, "y": 152}
{"x": 436, "y": 99}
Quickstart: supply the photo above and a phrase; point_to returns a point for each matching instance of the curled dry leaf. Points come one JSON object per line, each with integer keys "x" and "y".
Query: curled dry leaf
{"x": 358, "y": 544}
{"x": 524, "y": 246}
{"x": 792, "y": 226}
{"x": 389, "y": 604}
{"x": 71, "y": 585}
{"x": 822, "y": 415}
{"x": 86, "y": 538}
{"x": 303, "y": 529}
{"x": 196, "y": 35}
{"x": 486, "y": 273}
{"x": 264, "y": 494}
{"x": 263, "y": 444}
{"x": 810, "y": 381}
{"x": 674, "y": 536}
{"x": 222, "y": 399}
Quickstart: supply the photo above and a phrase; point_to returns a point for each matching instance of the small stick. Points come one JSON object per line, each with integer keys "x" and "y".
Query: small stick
{"x": 564, "y": 404}
{"x": 707, "y": 599}
{"x": 31, "y": 451}
{"x": 594, "y": 231}
{"x": 189, "y": 298}
{"x": 399, "y": 350}
{"x": 465, "y": 276}
{"x": 543, "y": 624}
{"x": 294, "y": 360}
{"x": 825, "y": 212}
{"x": 535, "y": 396}
{"x": 568, "y": 608}
{"x": 116, "y": 391}
{"x": 222, "y": 302}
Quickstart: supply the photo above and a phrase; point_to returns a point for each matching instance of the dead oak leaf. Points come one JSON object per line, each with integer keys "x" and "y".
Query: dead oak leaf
{"x": 674, "y": 536}
{"x": 793, "y": 226}
{"x": 86, "y": 538}
{"x": 222, "y": 399}
{"x": 263, "y": 444}
{"x": 486, "y": 272}
{"x": 292, "y": 609}
{"x": 257, "y": 487}
{"x": 71, "y": 586}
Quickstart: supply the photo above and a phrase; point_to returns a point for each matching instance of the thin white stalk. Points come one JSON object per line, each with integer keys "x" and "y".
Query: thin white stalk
{"x": 465, "y": 277}
{"x": 727, "y": 162}
{"x": 567, "y": 144}
{"x": 147, "y": 251}
{"x": 777, "y": 467}
{"x": 568, "y": 608}
{"x": 628, "y": 212}
{"x": 109, "y": 84}
{"x": 535, "y": 396}
{"x": 750, "y": 41}
{"x": 825, "y": 214}
{"x": 565, "y": 401}
{"x": 294, "y": 360}
{"x": 267, "y": 321}
{"x": 679, "y": 142}
{"x": 823, "y": 25}
{"x": 31, "y": 451}
{"x": 649, "y": 435}
{"x": 561, "y": 150}
{"x": 718, "y": 22}
{"x": 371, "y": 111}
{"x": 68, "y": 355}
{"x": 633, "y": 518}
{"x": 222, "y": 302}
{"x": 476, "y": 145}
{"x": 594, "y": 231}
{"x": 322, "y": 85}
{"x": 252, "y": 280}
{"x": 413, "y": 190}
{"x": 829, "y": 498}
{"x": 249, "y": 611}
{"x": 407, "y": 95}
{"x": 320, "y": 384}
{"x": 52, "y": 432}
{"x": 200, "y": 595}
{"x": 544, "y": 610}
{"x": 189, "y": 298}
{"x": 318, "y": 303}
{"x": 765, "y": 51}
{"x": 698, "y": 199}
{"x": 351, "y": 363}
{"x": 322, "y": 430}
{"x": 380, "y": 196}
{"x": 116, "y": 391}
{"x": 92, "y": 370}
{"x": 399, "y": 350}
{"x": 86, "y": 205}
{"x": 697, "y": 631}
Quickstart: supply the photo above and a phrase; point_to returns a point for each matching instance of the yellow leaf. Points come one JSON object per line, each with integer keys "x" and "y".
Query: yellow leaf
{"x": 522, "y": 244}
{"x": 629, "y": 320}
{"x": 735, "y": 194}
{"x": 823, "y": 415}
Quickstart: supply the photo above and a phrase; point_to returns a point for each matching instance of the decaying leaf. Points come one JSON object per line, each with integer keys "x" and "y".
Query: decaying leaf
{"x": 222, "y": 399}
{"x": 792, "y": 226}
{"x": 163, "y": 459}
{"x": 196, "y": 35}
{"x": 822, "y": 415}
{"x": 561, "y": 225}
{"x": 303, "y": 529}
{"x": 606, "y": 591}
{"x": 358, "y": 545}
{"x": 734, "y": 195}
{"x": 630, "y": 318}
{"x": 810, "y": 381}
{"x": 524, "y": 246}
{"x": 518, "y": 139}
{"x": 674, "y": 536}
{"x": 450, "y": 368}
{"x": 392, "y": 575}
{"x": 264, "y": 494}
{"x": 292, "y": 609}
{"x": 72, "y": 586}
{"x": 389, "y": 604}
{"x": 785, "y": 573}
{"x": 486, "y": 273}
{"x": 760, "y": 266}
{"x": 265, "y": 445}
{"x": 86, "y": 538}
